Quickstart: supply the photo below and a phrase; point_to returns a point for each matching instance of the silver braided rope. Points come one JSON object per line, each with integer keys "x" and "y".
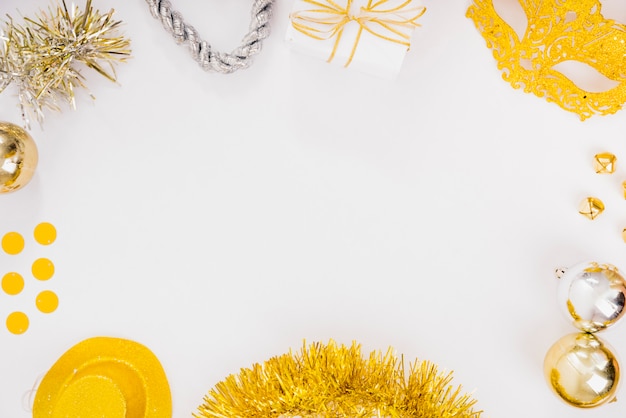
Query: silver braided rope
{"x": 202, "y": 52}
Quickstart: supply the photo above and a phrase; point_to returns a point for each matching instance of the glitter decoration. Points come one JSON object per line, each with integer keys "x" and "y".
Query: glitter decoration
{"x": 105, "y": 377}
{"x": 604, "y": 163}
{"x": 44, "y": 55}
{"x": 45, "y": 233}
{"x": 591, "y": 207}
{"x": 12, "y": 283}
{"x": 558, "y": 31}
{"x": 209, "y": 58}
{"x": 337, "y": 381}
{"x": 12, "y": 243}
{"x": 17, "y": 323}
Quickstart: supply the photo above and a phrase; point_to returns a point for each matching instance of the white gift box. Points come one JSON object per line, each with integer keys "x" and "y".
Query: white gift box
{"x": 372, "y": 37}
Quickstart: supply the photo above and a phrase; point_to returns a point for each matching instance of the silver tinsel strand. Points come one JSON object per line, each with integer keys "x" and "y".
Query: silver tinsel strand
{"x": 201, "y": 50}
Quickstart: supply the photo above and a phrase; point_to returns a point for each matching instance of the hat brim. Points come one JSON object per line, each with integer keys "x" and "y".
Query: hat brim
{"x": 105, "y": 377}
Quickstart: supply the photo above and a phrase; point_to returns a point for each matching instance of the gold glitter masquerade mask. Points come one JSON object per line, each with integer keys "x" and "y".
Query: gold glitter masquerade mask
{"x": 558, "y": 31}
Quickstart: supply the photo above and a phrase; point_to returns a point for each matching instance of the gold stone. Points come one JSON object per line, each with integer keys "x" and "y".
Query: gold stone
{"x": 624, "y": 234}
{"x": 624, "y": 188}
{"x": 604, "y": 163}
{"x": 591, "y": 207}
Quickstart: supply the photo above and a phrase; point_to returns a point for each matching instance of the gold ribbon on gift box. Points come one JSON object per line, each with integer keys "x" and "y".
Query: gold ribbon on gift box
{"x": 394, "y": 24}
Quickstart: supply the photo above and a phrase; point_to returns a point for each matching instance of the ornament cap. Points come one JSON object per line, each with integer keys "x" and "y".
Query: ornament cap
{"x": 559, "y": 272}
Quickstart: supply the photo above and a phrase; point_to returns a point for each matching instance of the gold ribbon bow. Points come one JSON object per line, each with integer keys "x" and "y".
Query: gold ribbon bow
{"x": 394, "y": 24}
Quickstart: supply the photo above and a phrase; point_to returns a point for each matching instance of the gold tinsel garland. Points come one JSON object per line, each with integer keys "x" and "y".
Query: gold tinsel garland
{"x": 337, "y": 381}
{"x": 41, "y": 55}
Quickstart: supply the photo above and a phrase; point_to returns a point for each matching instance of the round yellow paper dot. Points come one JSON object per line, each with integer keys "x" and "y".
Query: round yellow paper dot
{"x": 17, "y": 323}
{"x": 12, "y": 243}
{"x": 45, "y": 233}
{"x": 47, "y": 301}
{"x": 12, "y": 284}
{"x": 43, "y": 269}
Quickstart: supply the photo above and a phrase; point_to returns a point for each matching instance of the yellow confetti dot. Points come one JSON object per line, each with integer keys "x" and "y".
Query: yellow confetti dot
{"x": 43, "y": 269}
{"x": 45, "y": 233}
{"x": 12, "y": 243}
{"x": 47, "y": 301}
{"x": 17, "y": 323}
{"x": 12, "y": 283}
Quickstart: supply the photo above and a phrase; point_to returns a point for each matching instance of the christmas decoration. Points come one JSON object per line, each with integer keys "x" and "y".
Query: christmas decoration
{"x": 42, "y": 57}
{"x": 604, "y": 163}
{"x": 592, "y": 295}
{"x": 105, "y": 377}
{"x": 18, "y": 157}
{"x": 210, "y": 60}
{"x": 336, "y": 381}
{"x": 378, "y": 32}
{"x": 558, "y": 31}
{"x": 580, "y": 368}
{"x": 591, "y": 207}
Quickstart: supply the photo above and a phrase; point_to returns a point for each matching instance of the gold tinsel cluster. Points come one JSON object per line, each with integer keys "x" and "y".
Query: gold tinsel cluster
{"x": 43, "y": 55}
{"x": 337, "y": 381}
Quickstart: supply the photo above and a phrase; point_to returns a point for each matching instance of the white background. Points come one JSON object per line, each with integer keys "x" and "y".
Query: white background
{"x": 221, "y": 220}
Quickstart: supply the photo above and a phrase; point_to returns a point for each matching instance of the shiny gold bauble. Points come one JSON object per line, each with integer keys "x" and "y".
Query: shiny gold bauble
{"x": 18, "y": 157}
{"x": 582, "y": 370}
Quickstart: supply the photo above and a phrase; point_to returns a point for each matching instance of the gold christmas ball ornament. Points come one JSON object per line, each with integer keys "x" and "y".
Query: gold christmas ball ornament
{"x": 592, "y": 295}
{"x": 582, "y": 370}
{"x": 18, "y": 157}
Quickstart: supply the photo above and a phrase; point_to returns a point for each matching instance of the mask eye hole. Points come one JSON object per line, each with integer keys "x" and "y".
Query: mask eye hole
{"x": 585, "y": 76}
{"x": 512, "y": 13}
{"x": 570, "y": 17}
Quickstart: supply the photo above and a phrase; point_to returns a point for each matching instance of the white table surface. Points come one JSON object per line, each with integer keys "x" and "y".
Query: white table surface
{"x": 221, "y": 220}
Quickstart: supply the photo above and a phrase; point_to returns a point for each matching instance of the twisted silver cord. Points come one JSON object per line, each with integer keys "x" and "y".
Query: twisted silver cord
{"x": 201, "y": 51}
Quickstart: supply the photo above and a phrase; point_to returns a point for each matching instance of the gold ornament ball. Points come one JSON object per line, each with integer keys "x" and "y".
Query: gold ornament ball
{"x": 582, "y": 370}
{"x": 18, "y": 157}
